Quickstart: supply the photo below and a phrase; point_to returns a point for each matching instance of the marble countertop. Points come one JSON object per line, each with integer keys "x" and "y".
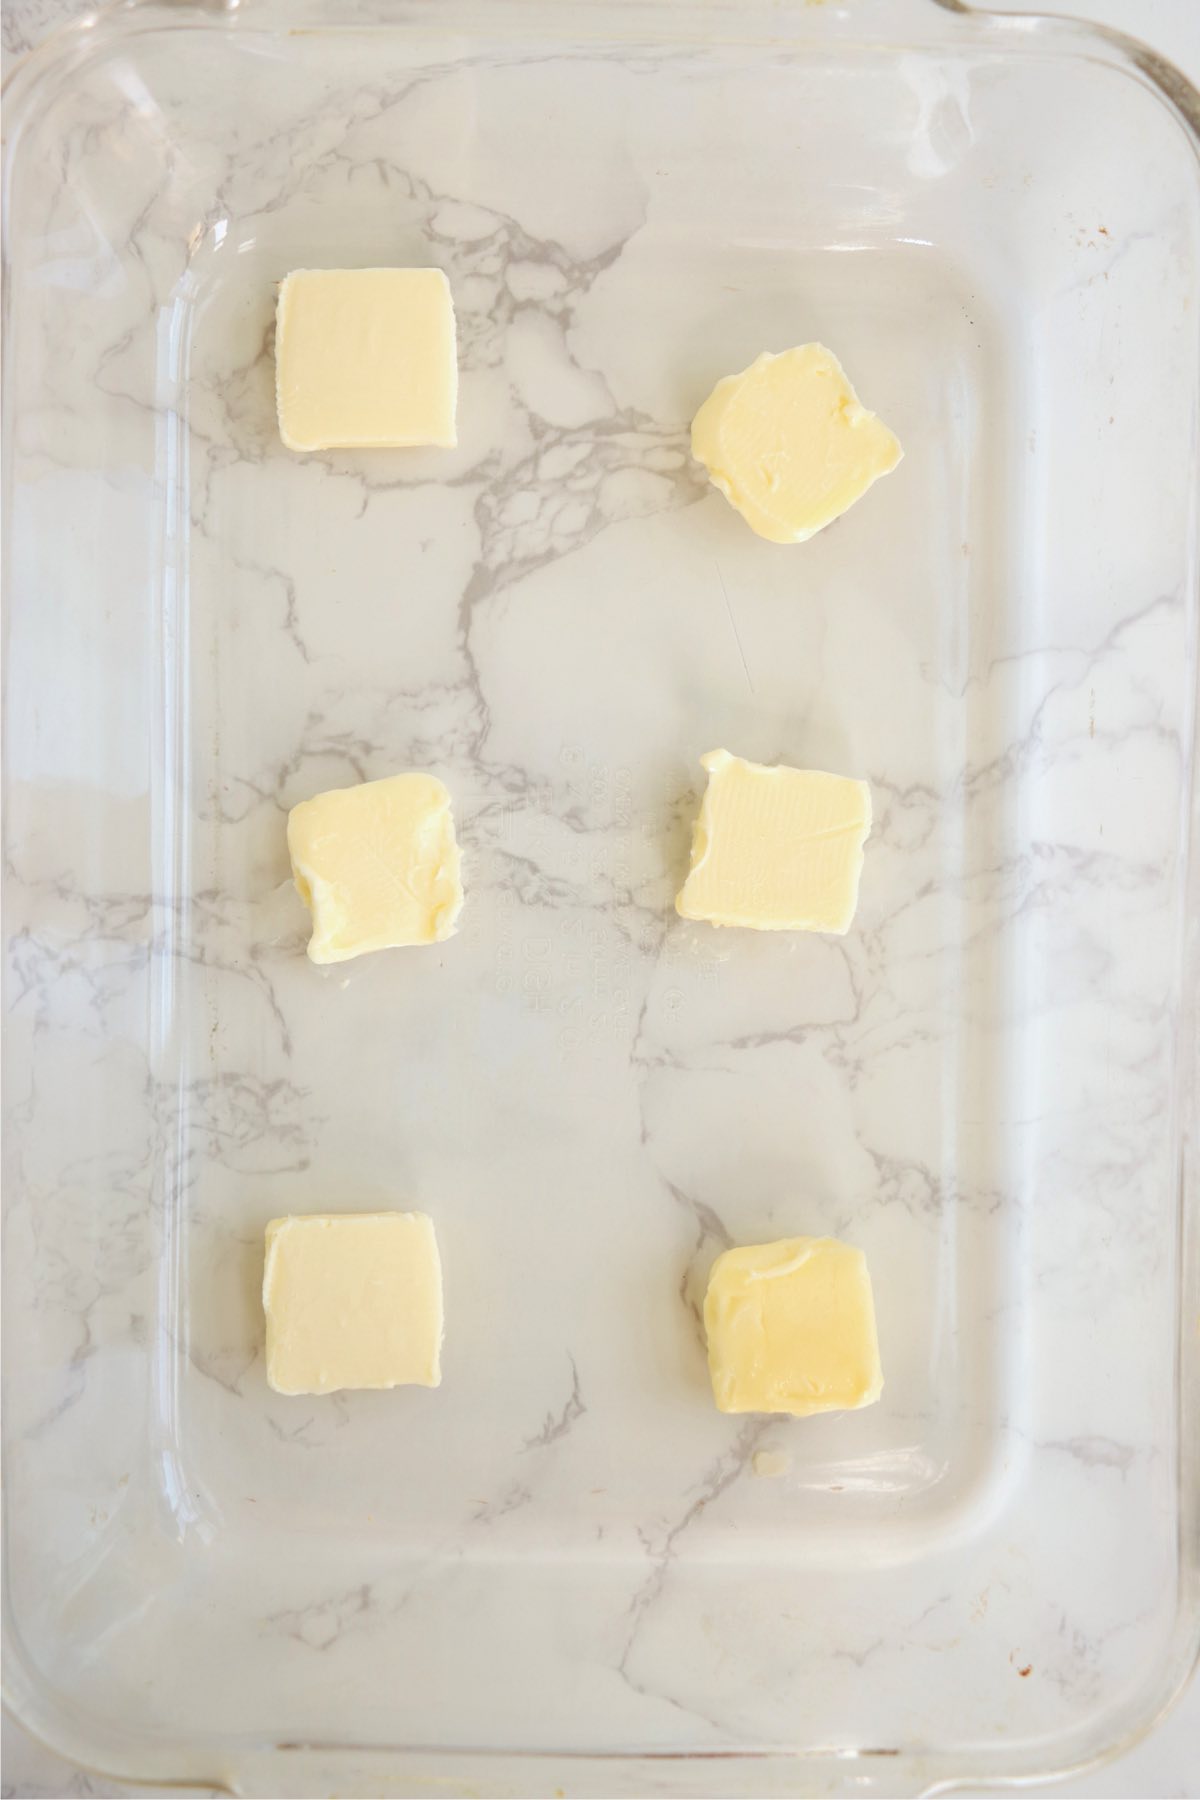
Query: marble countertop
{"x": 1164, "y": 1764}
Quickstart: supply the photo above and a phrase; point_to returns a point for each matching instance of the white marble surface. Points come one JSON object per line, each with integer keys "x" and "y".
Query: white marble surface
{"x": 572, "y": 503}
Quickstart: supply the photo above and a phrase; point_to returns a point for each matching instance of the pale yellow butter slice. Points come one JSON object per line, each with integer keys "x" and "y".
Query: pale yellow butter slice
{"x": 377, "y": 865}
{"x": 365, "y": 358}
{"x": 791, "y": 1328}
{"x": 776, "y": 849}
{"x": 789, "y": 444}
{"x": 352, "y": 1300}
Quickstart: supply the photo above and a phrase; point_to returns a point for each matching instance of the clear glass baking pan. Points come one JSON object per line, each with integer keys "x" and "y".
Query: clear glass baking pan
{"x": 565, "y": 1570}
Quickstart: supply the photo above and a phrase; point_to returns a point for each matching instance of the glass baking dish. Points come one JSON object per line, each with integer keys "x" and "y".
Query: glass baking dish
{"x": 565, "y": 1570}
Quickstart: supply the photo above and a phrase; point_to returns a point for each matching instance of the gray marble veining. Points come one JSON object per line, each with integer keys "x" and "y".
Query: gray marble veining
{"x": 591, "y": 1096}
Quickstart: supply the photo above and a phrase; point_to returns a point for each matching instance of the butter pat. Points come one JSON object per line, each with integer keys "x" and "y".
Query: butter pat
{"x": 776, "y": 849}
{"x": 353, "y": 1300}
{"x": 789, "y": 444}
{"x": 365, "y": 358}
{"x": 377, "y": 865}
{"x": 791, "y": 1328}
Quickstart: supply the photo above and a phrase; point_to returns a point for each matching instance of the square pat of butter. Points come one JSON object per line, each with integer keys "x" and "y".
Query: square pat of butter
{"x": 377, "y": 865}
{"x": 353, "y": 1300}
{"x": 791, "y": 1328}
{"x": 789, "y": 443}
{"x": 365, "y": 359}
{"x": 776, "y": 849}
